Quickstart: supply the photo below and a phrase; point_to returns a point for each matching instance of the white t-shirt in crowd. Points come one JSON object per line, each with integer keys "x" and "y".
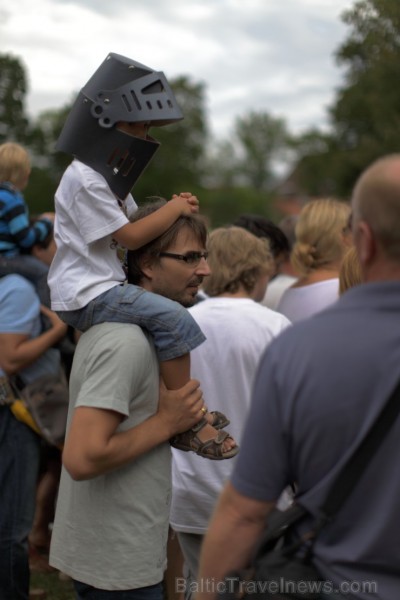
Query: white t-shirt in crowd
{"x": 276, "y": 288}
{"x": 302, "y": 302}
{"x": 237, "y": 331}
{"x": 86, "y": 263}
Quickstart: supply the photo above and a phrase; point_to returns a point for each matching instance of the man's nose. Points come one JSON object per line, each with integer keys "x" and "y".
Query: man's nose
{"x": 202, "y": 268}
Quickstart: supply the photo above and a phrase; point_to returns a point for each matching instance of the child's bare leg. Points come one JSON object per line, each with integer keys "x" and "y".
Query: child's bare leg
{"x": 175, "y": 374}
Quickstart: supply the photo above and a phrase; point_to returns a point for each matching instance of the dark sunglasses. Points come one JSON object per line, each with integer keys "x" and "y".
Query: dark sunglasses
{"x": 190, "y": 258}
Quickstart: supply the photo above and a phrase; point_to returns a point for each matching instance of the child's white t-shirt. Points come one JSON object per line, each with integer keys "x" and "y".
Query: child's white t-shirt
{"x": 86, "y": 263}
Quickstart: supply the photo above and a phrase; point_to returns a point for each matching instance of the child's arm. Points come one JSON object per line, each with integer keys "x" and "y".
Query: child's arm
{"x": 24, "y": 233}
{"x": 135, "y": 235}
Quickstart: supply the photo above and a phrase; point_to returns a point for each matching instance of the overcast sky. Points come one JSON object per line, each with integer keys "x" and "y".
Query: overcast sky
{"x": 264, "y": 55}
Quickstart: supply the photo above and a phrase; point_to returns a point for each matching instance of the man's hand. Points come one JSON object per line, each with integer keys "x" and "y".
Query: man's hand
{"x": 186, "y": 203}
{"x": 181, "y": 409}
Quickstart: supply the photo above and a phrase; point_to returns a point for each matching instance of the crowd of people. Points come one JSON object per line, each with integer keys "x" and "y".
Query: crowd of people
{"x": 214, "y": 375}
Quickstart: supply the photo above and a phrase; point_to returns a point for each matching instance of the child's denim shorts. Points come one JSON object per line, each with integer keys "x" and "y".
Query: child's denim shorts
{"x": 172, "y": 327}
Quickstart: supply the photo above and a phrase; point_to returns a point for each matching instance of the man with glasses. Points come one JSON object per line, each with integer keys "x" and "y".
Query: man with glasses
{"x": 238, "y": 329}
{"x": 111, "y": 525}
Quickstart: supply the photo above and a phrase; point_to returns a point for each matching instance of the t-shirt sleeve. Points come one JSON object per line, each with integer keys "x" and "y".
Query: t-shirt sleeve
{"x": 97, "y": 212}
{"x": 20, "y": 306}
{"x": 112, "y": 375}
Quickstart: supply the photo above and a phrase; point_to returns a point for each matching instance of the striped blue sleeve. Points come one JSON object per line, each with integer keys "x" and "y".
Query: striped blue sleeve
{"x": 15, "y": 228}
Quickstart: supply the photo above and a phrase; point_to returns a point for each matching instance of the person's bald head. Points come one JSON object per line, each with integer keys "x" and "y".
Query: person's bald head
{"x": 376, "y": 201}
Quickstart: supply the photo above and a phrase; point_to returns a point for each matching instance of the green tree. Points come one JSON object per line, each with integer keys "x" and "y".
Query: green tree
{"x": 43, "y": 137}
{"x": 317, "y": 163}
{"x": 13, "y": 88}
{"x": 39, "y": 193}
{"x": 366, "y": 113}
{"x": 223, "y": 204}
{"x": 260, "y": 141}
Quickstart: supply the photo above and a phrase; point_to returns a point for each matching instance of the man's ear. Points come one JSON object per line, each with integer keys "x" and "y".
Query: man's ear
{"x": 146, "y": 266}
{"x": 365, "y": 243}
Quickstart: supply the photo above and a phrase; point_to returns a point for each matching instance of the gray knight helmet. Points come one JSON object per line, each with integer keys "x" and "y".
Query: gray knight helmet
{"x": 120, "y": 90}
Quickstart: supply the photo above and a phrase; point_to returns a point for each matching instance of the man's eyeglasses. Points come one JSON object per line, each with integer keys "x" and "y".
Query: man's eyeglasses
{"x": 190, "y": 258}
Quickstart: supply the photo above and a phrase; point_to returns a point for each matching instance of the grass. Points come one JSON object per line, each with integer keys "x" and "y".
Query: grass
{"x": 55, "y": 588}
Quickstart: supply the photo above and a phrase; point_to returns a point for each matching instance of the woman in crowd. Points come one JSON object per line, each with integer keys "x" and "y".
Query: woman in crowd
{"x": 322, "y": 239}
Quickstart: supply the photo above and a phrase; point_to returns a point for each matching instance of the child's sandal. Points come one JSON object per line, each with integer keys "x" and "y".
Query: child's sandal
{"x": 188, "y": 441}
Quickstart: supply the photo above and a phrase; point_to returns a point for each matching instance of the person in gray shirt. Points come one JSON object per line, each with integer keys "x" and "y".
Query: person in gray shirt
{"x": 111, "y": 523}
{"x": 320, "y": 386}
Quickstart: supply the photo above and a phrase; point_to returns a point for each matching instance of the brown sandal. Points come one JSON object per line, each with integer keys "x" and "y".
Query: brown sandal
{"x": 188, "y": 441}
{"x": 219, "y": 419}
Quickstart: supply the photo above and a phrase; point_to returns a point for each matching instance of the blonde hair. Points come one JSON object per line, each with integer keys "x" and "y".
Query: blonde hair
{"x": 319, "y": 234}
{"x": 350, "y": 271}
{"x": 15, "y": 164}
{"x": 236, "y": 258}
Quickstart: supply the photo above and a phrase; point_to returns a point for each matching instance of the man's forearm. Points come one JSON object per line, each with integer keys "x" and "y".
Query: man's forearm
{"x": 89, "y": 453}
{"x": 233, "y": 532}
{"x": 94, "y": 445}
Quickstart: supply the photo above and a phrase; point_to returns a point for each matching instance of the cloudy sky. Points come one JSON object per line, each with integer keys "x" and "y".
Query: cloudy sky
{"x": 264, "y": 55}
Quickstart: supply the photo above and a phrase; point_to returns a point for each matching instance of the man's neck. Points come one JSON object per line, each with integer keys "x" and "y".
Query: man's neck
{"x": 238, "y": 294}
{"x": 382, "y": 271}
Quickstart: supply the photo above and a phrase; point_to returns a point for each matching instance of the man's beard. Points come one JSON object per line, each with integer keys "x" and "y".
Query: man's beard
{"x": 184, "y": 298}
{"x": 188, "y": 300}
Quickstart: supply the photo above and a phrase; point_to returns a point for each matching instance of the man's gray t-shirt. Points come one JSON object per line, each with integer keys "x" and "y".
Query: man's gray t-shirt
{"x": 320, "y": 386}
{"x": 111, "y": 531}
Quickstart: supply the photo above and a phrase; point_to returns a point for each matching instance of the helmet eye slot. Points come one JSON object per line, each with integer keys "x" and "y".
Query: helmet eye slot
{"x": 121, "y": 163}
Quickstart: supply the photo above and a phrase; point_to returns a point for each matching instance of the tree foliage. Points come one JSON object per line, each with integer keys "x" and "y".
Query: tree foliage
{"x": 13, "y": 88}
{"x": 259, "y": 142}
{"x": 366, "y": 114}
{"x": 263, "y": 140}
{"x": 315, "y": 152}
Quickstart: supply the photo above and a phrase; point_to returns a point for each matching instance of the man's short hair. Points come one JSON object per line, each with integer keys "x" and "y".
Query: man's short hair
{"x": 376, "y": 200}
{"x": 264, "y": 228}
{"x": 236, "y": 258}
{"x": 195, "y": 223}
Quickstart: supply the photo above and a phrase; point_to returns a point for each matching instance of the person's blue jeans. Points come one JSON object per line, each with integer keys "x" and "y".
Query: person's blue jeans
{"x": 19, "y": 466}
{"x": 87, "y": 592}
{"x": 174, "y": 330}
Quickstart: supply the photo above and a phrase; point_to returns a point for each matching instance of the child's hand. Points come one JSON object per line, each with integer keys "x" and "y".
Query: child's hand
{"x": 188, "y": 203}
